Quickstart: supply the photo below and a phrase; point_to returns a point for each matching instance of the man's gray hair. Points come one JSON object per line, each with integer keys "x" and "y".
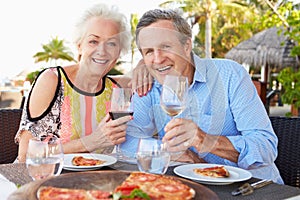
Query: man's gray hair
{"x": 179, "y": 23}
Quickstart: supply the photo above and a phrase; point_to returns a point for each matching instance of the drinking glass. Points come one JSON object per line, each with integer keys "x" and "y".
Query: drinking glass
{"x": 121, "y": 105}
{"x": 174, "y": 94}
{"x": 44, "y": 158}
{"x": 173, "y": 100}
{"x": 152, "y": 157}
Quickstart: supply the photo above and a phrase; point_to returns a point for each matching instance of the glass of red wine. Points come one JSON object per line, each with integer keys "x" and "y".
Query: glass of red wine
{"x": 121, "y": 105}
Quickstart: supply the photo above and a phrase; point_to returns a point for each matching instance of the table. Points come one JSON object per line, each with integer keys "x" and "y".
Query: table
{"x": 18, "y": 174}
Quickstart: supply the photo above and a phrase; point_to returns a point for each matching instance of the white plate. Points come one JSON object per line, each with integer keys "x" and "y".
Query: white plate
{"x": 109, "y": 160}
{"x": 236, "y": 174}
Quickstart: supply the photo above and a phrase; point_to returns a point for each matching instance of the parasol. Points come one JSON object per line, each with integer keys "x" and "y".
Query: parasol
{"x": 267, "y": 48}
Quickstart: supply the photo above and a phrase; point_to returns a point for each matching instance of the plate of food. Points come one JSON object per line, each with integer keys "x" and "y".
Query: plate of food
{"x": 87, "y": 161}
{"x": 213, "y": 174}
{"x": 111, "y": 184}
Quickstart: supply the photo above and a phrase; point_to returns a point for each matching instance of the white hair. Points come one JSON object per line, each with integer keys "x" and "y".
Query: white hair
{"x": 111, "y": 13}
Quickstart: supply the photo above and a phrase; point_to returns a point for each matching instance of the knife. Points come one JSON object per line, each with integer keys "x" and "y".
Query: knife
{"x": 247, "y": 188}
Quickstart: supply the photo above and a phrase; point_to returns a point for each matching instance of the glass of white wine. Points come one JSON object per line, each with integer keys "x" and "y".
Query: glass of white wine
{"x": 174, "y": 94}
{"x": 44, "y": 158}
{"x": 173, "y": 100}
{"x": 152, "y": 157}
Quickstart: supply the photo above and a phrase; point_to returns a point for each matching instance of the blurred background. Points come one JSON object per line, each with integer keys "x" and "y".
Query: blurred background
{"x": 262, "y": 35}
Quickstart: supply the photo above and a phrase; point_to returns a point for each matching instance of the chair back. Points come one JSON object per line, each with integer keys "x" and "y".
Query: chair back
{"x": 261, "y": 88}
{"x": 9, "y": 125}
{"x": 288, "y": 160}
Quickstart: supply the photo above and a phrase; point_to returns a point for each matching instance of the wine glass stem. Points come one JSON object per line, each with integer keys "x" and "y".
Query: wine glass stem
{"x": 118, "y": 151}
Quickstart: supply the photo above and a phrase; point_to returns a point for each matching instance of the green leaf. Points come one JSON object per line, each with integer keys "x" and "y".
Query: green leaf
{"x": 136, "y": 193}
{"x": 290, "y": 80}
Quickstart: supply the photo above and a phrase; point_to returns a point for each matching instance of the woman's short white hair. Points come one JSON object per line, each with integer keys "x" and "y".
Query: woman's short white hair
{"x": 111, "y": 13}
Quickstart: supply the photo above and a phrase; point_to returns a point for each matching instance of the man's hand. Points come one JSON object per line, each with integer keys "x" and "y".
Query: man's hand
{"x": 180, "y": 134}
{"x": 184, "y": 133}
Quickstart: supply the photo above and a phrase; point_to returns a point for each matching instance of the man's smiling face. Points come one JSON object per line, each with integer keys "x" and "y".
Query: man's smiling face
{"x": 162, "y": 51}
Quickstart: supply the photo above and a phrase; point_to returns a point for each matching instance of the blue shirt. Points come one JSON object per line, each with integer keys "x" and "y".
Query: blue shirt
{"x": 222, "y": 100}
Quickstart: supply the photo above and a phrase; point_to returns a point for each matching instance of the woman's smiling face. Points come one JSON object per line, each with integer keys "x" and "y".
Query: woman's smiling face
{"x": 100, "y": 46}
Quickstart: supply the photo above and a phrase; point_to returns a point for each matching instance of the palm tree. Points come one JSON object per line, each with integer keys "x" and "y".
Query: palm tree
{"x": 222, "y": 24}
{"x": 133, "y": 24}
{"x": 54, "y": 50}
{"x": 196, "y": 10}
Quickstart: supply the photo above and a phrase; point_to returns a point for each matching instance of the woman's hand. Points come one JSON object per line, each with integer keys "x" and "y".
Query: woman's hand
{"x": 142, "y": 80}
{"x": 108, "y": 133}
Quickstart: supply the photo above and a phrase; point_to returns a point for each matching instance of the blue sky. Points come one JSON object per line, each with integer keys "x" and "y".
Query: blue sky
{"x": 27, "y": 24}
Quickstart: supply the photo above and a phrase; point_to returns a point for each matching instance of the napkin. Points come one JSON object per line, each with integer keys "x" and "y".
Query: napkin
{"x": 6, "y": 187}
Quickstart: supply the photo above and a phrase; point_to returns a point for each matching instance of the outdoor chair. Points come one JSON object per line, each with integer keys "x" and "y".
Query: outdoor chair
{"x": 9, "y": 124}
{"x": 261, "y": 88}
{"x": 288, "y": 160}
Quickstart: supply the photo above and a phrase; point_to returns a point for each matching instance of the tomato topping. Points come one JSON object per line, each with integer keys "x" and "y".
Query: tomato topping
{"x": 144, "y": 178}
{"x": 167, "y": 188}
{"x": 58, "y": 194}
{"x": 126, "y": 189}
{"x": 99, "y": 194}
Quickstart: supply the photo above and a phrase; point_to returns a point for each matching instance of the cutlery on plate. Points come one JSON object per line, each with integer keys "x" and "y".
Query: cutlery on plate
{"x": 247, "y": 188}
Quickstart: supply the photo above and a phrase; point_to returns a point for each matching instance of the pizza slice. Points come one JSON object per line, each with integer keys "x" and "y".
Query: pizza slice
{"x": 217, "y": 171}
{"x": 55, "y": 193}
{"x": 156, "y": 186}
{"x": 82, "y": 161}
{"x": 137, "y": 186}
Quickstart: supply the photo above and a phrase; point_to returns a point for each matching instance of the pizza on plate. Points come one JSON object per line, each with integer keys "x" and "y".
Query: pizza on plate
{"x": 137, "y": 186}
{"x": 82, "y": 161}
{"x": 217, "y": 171}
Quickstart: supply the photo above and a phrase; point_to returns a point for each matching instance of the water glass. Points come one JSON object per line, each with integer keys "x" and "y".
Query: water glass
{"x": 152, "y": 157}
{"x": 44, "y": 158}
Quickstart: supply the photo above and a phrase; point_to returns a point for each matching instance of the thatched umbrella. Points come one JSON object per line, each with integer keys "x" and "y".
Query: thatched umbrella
{"x": 265, "y": 49}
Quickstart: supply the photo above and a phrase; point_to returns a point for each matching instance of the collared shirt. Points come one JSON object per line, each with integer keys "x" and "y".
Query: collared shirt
{"x": 222, "y": 100}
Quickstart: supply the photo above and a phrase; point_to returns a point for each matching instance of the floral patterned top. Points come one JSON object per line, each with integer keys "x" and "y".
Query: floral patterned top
{"x": 72, "y": 113}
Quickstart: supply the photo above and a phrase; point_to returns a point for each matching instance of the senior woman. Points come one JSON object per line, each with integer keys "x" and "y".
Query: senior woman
{"x": 71, "y": 102}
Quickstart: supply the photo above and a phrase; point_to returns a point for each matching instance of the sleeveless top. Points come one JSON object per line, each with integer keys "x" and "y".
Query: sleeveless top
{"x": 72, "y": 113}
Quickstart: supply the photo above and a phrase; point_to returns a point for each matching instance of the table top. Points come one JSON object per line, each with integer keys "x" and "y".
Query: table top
{"x": 18, "y": 174}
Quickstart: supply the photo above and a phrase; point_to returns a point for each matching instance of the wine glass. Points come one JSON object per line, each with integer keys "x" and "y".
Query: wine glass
{"x": 44, "y": 157}
{"x": 173, "y": 99}
{"x": 121, "y": 105}
{"x": 174, "y": 94}
{"x": 152, "y": 157}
